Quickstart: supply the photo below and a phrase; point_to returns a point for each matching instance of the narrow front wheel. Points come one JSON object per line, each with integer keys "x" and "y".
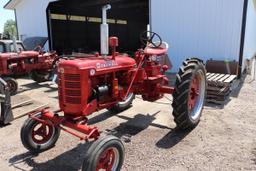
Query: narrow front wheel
{"x": 12, "y": 85}
{"x": 40, "y": 75}
{"x": 38, "y": 137}
{"x": 105, "y": 154}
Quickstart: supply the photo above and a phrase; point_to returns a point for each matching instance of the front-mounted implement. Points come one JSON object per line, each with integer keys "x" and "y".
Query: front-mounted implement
{"x": 90, "y": 83}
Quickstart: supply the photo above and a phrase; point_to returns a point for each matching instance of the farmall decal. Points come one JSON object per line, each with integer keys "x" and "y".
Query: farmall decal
{"x": 106, "y": 64}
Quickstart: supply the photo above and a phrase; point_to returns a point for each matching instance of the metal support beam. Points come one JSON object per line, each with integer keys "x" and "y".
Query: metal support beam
{"x": 241, "y": 53}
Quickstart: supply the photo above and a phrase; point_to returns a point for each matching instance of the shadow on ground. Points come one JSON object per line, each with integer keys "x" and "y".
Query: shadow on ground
{"x": 68, "y": 161}
{"x": 101, "y": 117}
{"x": 236, "y": 91}
{"x": 4, "y": 125}
{"x": 131, "y": 127}
{"x": 35, "y": 85}
{"x": 172, "y": 138}
{"x": 137, "y": 124}
{"x": 217, "y": 106}
{"x": 254, "y": 155}
{"x": 72, "y": 160}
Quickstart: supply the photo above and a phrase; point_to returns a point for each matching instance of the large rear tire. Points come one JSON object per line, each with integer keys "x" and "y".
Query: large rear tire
{"x": 38, "y": 137}
{"x": 106, "y": 153}
{"x": 40, "y": 76}
{"x": 189, "y": 94}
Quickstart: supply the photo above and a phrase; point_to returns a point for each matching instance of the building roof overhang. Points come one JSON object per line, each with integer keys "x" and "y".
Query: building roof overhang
{"x": 11, "y": 4}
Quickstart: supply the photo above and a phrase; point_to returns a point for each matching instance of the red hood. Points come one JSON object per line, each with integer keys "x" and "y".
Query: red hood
{"x": 99, "y": 63}
{"x": 22, "y": 54}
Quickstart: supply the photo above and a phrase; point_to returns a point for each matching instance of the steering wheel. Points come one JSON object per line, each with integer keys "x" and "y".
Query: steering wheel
{"x": 38, "y": 48}
{"x": 145, "y": 40}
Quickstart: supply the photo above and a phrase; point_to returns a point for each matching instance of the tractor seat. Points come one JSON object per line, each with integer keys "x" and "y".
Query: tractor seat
{"x": 151, "y": 50}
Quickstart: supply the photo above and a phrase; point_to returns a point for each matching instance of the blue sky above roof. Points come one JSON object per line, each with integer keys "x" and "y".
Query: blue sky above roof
{"x": 5, "y": 14}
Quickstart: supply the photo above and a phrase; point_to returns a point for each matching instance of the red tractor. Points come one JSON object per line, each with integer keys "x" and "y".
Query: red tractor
{"x": 89, "y": 84}
{"x": 15, "y": 61}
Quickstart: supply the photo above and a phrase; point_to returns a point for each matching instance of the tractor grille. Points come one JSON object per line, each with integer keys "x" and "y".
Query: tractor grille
{"x": 69, "y": 84}
{"x": 72, "y": 77}
{"x": 73, "y": 100}
{"x": 71, "y": 88}
{"x": 73, "y": 92}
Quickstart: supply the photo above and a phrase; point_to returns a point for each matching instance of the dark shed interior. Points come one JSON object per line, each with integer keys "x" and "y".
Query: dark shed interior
{"x": 74, "y": 26}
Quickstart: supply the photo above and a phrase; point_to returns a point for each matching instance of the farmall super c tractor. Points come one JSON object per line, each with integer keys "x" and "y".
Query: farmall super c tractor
{"x": 110, "y": 82}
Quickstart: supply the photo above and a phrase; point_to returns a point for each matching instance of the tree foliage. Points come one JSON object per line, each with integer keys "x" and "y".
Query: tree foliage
{"x": 10, "y": 29}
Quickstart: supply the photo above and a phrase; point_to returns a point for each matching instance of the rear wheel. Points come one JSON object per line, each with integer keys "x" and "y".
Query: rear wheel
{"x": 38, "y": 137}
{"x": 105, "y": 154}
{"x": 189, "y": 94}
{"x": 121, "y": 106}
{"x": 12, "y": 84}
{"x": 40, "y": 76}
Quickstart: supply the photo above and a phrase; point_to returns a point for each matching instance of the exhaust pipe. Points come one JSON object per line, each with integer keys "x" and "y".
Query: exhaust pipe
{"x": 14, "y": 42}
{"x": 104, "y": 31}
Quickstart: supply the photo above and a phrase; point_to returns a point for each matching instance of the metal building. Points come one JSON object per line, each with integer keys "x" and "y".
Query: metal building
{"x": 212, "y": 29}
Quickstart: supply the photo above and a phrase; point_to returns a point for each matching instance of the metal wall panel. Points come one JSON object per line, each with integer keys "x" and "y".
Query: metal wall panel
{"x": 200, "y": 28}
{"x": 31, "y": 18}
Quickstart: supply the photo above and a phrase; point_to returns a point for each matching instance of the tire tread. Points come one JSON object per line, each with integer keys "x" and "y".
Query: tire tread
{"x": 180, "y": 95}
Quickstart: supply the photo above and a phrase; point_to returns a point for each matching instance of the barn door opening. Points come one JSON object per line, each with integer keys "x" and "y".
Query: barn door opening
{"x": 74, "y": 26}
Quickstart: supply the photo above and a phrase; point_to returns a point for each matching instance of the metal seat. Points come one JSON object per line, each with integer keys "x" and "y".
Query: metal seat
{"x": 161, "y": 50}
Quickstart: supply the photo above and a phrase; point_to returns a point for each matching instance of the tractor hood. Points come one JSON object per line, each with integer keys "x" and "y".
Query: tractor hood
{"x": 100, "y": 64}
{"x": 23, "y": 54}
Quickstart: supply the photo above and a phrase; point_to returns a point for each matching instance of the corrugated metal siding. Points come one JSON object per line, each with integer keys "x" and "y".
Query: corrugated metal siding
{"x": 31, "y": 18}
{"x": 202, "y": 28}
{"x": 250, "y": 36}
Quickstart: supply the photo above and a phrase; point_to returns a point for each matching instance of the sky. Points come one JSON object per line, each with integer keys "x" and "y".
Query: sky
{"x": 5, "y": 14}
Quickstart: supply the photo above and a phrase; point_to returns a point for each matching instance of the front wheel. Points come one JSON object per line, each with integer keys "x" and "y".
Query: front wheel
{"x": 12, "y": 85}
{"x": 189, "y": 94}
{"x": 104, "y": 154}
{"x": 38, "y": 137}
{"x": 40, "y": 76}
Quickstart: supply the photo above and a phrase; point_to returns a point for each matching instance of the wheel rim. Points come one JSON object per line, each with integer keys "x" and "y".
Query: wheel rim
{"x": 42, "y": 133}
{"x": 108, "y": 160}
{"x": 196, "y": 95}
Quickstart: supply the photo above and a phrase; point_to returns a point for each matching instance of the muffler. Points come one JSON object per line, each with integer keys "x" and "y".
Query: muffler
{"x": 104, "y": 31}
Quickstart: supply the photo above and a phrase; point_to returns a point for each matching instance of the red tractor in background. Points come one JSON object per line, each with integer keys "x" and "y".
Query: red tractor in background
{"x": 15, "y": 60}
{"x": 89, "y": 84}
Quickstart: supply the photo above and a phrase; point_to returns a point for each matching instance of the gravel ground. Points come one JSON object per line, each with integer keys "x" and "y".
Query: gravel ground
{"x": 225, "y": 139}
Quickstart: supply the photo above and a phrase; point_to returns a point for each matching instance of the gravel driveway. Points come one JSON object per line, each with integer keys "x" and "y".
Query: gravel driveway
{"x": 225, "y": 139}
